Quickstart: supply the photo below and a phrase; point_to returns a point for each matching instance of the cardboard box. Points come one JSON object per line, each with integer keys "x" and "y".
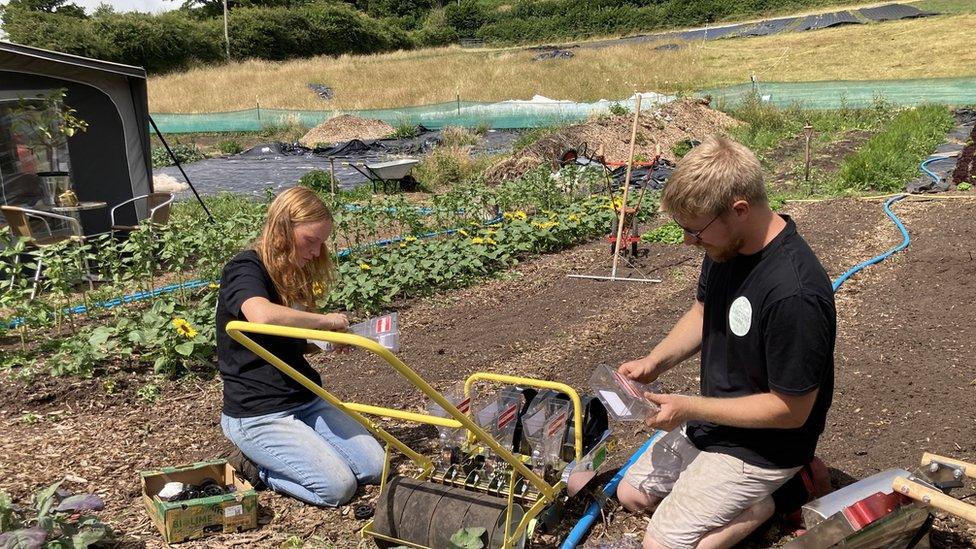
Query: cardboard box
{"x": 191, "y": 519}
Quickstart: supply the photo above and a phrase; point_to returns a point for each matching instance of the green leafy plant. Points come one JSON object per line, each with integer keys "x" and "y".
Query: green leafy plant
{"x": 964, "y": 186}
{"x": 468, "y": 538}
{"x": 149, "y": 392}
{"x": 230, "y": 146}
{"x": 318, "y": 180}
{"x": 56, "y": 521}
{"x": 669, "y": 233}
{"x": 617, "y": 109}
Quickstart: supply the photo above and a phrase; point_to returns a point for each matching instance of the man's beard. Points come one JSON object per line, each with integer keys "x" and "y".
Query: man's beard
{"x": 726, "y": 253}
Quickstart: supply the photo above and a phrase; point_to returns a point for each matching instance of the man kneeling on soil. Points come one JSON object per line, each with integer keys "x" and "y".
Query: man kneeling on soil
{"x": 764, "y": 321}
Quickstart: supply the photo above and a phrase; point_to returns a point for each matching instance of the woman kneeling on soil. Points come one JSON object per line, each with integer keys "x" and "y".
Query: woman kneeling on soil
{"x": 291, "y": 440}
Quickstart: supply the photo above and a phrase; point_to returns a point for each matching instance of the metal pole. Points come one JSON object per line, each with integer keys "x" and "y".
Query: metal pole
{"x": 178, "y": 165}
{"x": 623, "y": 204}
{"x": 226, "y": 34}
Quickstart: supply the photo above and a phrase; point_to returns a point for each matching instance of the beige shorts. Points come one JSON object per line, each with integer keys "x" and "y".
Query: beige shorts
{"x": 701, "y": 491}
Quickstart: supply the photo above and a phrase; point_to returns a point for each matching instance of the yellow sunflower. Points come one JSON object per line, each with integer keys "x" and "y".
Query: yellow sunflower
{"x": 184, "y": 329}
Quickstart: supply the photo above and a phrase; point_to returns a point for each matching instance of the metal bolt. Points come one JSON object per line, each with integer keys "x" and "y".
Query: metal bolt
{"x": 957, "y": 474}
{"x": 926, "y": 499}
{"x": 905, "y": 489}
{"x": 934, "y": 467}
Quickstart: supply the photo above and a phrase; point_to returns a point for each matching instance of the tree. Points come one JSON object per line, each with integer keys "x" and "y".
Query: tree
{"x": 50, "y": 6}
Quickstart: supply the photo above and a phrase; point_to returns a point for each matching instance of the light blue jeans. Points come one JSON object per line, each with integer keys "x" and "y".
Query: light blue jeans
{"x": 313, "y": 452}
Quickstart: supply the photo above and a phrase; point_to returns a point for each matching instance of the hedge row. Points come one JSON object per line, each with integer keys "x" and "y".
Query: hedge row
{"x": 181, "y": 38}
{"x": 176, "y": 40}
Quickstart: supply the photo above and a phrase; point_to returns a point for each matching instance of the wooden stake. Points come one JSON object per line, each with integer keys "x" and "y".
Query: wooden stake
{"x": 332, "y": 179}
{"x": 623, "y": 205}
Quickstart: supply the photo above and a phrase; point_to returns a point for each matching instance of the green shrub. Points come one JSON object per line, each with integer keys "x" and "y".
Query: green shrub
{"x": 964, "y": 186}
{"x": 230, "y": 146}
{"x": 404, "y": 130}
{"x": 466, "y": 17}
{"x": 184, "y": 153}
{"x": 892, "y": 156}
{"x": 313, "y": 29}
{"x": 435, "y": 30}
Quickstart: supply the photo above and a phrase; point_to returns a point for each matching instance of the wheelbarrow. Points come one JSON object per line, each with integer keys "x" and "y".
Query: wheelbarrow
{"x": 485, "y": 477}
{"x": 890, "y": 509}
{"x": 392, "y": 173}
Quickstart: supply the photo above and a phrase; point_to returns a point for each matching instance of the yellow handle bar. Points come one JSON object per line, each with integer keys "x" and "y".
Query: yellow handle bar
{"x": 237, "y": 329}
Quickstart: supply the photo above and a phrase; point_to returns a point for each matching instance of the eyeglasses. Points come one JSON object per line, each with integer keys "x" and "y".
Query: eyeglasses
{"x": 696, "y": 234}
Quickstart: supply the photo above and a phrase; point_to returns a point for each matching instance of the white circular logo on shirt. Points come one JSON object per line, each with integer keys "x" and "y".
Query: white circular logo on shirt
{"x": 740, "y": 316}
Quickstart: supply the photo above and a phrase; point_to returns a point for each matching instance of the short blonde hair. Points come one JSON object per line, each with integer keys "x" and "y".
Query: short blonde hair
{"x": 276, "y": 247}
{"x": 711, "y": 177}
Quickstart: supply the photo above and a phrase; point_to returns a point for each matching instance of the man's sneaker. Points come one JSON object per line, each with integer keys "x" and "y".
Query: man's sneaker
{"x": 245, "y": 468}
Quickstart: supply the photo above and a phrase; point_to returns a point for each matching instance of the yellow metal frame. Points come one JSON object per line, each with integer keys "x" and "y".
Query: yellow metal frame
{"x": 238, "y": 331}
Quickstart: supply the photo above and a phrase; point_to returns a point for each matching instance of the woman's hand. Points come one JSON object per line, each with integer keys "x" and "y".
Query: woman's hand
{"x": 335, "y": 322}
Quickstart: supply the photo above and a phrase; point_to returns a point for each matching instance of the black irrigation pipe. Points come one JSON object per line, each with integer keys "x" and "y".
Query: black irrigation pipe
{"x": 159, "y": 134}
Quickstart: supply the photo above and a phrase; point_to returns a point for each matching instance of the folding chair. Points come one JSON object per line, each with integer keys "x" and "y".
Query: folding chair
{"x": 19, "y": 220}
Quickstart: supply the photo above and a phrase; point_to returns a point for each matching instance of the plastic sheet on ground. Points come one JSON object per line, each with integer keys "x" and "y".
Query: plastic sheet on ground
{"x": 281, "y": 165}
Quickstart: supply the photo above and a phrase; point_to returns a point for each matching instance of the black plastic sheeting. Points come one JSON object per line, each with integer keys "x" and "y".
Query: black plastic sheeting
{"x": 766, "y": 27}
{"x": 827, "y": 20}
{"x": 892, "y": 12}
{"x": 281, "y": 165}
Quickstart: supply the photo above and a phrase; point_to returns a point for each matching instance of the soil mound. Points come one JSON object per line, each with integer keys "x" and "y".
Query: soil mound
{"x": 344, "y": 128}
{"x": 664, "y": 125}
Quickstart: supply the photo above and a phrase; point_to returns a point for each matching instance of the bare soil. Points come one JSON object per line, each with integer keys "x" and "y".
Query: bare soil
{"x": 905, "y": 368}
{"x": 659, "y": 128}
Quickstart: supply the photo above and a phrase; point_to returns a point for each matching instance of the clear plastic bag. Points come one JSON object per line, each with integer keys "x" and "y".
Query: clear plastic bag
{"x": 623, "y": 397}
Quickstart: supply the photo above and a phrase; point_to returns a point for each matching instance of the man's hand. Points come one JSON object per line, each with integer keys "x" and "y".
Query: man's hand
{"x": 643, "y": 370}
{"x": 675, "y": 410}
{"x": 335, "y": 322}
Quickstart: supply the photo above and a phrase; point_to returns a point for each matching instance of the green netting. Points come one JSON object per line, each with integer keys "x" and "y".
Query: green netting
{"x": 504, "y": 115}
{"x": 534, "y": 114}
{"x": 854, "y": 94}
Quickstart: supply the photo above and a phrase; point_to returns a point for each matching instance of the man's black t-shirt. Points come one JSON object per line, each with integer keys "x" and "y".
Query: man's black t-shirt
{"x": 252, "y": 387}
{"x": 769, "y": 325}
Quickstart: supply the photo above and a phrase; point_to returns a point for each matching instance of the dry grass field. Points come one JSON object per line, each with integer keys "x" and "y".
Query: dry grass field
{"x": 923, "y": 48}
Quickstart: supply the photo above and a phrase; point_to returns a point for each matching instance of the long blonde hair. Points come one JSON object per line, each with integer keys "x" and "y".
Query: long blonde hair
{"x": 276, "y": 248}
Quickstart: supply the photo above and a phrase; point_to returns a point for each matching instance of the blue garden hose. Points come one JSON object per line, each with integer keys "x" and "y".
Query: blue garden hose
{"x": 584, "y": 524}
{"x": 593, "y": 511}
{"x": 924, "y": 167}
{"x": 906, "y": 240}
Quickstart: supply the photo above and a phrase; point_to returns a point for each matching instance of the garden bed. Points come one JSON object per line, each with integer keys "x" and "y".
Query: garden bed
{"x": 904, "y": 362}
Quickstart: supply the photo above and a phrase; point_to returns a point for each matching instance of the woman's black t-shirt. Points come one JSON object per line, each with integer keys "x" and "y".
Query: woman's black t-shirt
{"x": 252, "y": 387}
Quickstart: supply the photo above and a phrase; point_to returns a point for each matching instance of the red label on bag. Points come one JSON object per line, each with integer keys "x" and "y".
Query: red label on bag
{"x": 507, "y": 415}
{"x": 384, "y": 323}
{"x": 626, "y": 384}
{"x": 464, "y": 405}
{"x": 556, "y": 424}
